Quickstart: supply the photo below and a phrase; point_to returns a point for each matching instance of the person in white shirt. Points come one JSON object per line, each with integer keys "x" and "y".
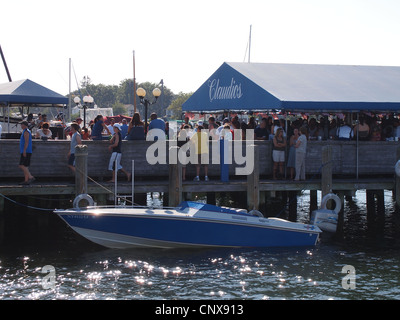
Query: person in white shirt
{"x": 301, "y": 150}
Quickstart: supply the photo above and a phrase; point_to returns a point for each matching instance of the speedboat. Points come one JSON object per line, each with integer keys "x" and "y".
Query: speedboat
{"x": 190, "y": 224}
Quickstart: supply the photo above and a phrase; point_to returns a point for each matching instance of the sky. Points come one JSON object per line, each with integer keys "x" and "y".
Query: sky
{"x": 184, "y": 42}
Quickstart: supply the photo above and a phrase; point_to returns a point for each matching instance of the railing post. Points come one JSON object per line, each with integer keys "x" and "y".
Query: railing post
{"x": 81, "y": 156}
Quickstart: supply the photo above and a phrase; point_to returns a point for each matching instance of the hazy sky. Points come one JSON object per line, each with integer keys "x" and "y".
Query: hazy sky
{"x": 183, "y": 42}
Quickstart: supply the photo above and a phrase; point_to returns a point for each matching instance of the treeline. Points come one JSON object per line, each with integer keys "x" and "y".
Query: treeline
{"x": 118, "y": 96}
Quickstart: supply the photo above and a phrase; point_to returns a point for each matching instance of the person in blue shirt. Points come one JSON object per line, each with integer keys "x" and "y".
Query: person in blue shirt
{"x": 124, "y": 128}
{"x": 98, "y": 128}
{"x": 156, "y": 123}
{"x": 25, "y": 148}
{"x": 261, "y": 132}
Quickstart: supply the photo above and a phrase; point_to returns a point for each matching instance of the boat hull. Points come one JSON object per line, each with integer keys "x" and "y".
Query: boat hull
{"x": 151, "y": 230}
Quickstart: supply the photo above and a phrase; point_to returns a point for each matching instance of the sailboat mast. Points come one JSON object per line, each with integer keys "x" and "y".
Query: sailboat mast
{"x": 134, "y": 83}
{"x": 69, "y": 90}
{"x": 5, "y": 65}
{"x": 249, "y": 43}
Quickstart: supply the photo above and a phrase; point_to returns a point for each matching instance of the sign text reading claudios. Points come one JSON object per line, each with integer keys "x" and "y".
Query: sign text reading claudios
{"x": 218, "y": 92}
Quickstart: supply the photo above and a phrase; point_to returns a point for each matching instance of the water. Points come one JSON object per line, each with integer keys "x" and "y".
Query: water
{"x": 84, "y": 271}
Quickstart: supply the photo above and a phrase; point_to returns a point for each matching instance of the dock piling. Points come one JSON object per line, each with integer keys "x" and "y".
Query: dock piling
{"x": 175, "y": 182}
{"x": 2, "y": 220}
{"x": 81, "y": 156}
{"x": 253, "y": 182}
{"x": 326, "y": 171}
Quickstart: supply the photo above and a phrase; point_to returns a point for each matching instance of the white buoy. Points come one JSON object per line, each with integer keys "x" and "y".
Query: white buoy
{"x": 324, "y": 218}
{"x": 79, "y": 198}
{"x": 397, "y": 168}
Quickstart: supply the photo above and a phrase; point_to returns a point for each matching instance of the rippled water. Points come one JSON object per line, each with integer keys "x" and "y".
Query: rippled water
{"x": 88, "y": 272}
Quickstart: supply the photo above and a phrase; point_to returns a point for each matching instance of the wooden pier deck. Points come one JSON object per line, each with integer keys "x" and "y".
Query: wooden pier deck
{"x": 68, "y": 188}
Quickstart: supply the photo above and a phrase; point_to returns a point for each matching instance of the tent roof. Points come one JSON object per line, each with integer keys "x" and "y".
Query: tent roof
{"x": 27, "y": 92}
{"x": 298, "y": 87}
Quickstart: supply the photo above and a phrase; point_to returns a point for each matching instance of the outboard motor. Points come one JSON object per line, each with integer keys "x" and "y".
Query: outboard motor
{"x": 324, "y": 218}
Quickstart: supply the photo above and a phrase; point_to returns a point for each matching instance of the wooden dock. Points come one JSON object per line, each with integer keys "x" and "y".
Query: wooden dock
{"x": 341, "y": 167}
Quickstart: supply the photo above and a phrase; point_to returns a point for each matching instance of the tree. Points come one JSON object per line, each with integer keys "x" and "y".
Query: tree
{"x": 112, "y": 96}
{"x": 176, "y": 104}
{"x": 119, "y": 108}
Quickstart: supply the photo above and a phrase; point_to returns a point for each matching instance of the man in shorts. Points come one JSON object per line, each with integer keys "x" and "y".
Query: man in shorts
{"x": 25, "y": 147}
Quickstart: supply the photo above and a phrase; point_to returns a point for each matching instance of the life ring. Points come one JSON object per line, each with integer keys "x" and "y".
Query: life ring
{"x": 397, "y": 168}
{"x": 334, "y": 197}
{"x": 81, "y": 197}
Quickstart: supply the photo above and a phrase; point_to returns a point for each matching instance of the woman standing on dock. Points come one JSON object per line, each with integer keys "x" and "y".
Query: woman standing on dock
{"x": 301, "y": 149}
{"x": 278, "y": 153}
{"x": 115, "y": 148}
{"x": 75, "y": 140}
{"x": 25, "y": 148}
{"x": 292, "y": 152}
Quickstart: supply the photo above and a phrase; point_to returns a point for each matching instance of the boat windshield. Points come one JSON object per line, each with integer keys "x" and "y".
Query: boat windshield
{"x": 209, "y": 207}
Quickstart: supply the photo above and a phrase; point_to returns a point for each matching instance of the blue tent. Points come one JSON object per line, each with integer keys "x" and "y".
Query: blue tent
{"x": 26, "y": 92}
{"x": 298, "y": 87}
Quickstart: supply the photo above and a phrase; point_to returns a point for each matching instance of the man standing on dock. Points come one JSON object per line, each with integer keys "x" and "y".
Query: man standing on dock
{"x": 25, "y": 147}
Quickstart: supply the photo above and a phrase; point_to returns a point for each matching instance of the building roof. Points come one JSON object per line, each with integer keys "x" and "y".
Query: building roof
{"x": 27, "y": 92}
{"x": 298, "y": 87}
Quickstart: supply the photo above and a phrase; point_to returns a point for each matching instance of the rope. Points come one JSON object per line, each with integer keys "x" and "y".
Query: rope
{"x": 106, "y": 189}
{"x": 45, "y": 209}
{"x": 24, "y": 205}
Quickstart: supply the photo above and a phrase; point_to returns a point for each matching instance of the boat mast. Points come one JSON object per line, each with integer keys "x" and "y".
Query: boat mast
{"x": 10, "y": 80}
{"x": 69, "y": 113}
{"x": 5, "y": 65}
{"x": 249, "y": 43}
{"x": 134, "y": 83}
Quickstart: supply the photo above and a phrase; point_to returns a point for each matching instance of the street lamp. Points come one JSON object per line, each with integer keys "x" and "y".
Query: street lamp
{"x": 142, "y": 94}
{"x": 87, "y": 101}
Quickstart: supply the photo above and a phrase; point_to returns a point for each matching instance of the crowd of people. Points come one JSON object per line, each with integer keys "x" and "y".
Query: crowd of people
{"x": 289, "y": 138}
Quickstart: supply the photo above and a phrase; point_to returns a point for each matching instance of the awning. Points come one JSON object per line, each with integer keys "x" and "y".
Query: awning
{"x": 298, "y": 87}
{"x": 28, "y": 93}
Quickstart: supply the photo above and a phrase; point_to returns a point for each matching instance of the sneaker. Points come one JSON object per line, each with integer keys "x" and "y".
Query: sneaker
{"x": 196, "y": 178}
{"x": 206, "y": 178}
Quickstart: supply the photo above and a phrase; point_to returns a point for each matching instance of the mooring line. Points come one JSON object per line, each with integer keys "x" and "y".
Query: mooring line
{"x": 24, "y": 205}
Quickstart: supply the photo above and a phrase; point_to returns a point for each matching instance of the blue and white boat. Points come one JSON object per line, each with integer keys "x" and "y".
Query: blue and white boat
{"x": 191, "y": 224}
